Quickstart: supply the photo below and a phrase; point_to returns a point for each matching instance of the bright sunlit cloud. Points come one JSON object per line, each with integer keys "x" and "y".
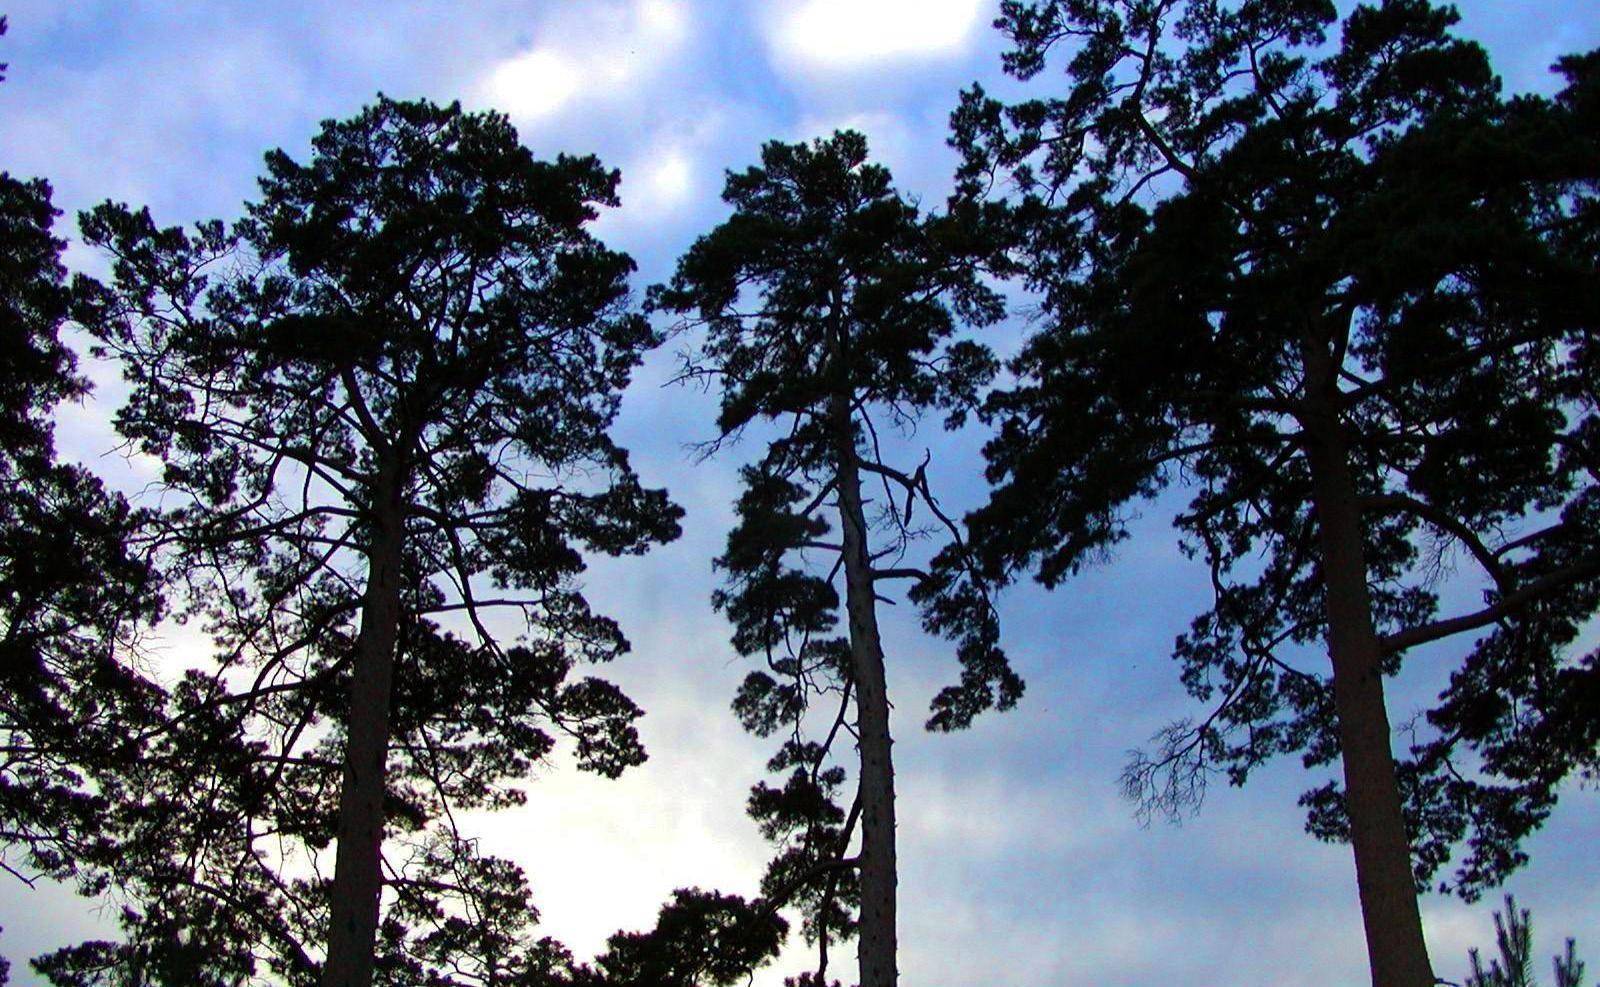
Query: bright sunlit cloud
{"x": 856, "y": 33}
{"x": 585, "y": 58}
{"x": 535, "y": 84}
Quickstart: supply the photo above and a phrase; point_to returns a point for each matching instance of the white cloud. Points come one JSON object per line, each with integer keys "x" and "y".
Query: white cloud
{"x": 585, "y": 59}
{"x": 667, "y": 176}
{"x": 604, "y": 855}
{"x": 858, "y": 33}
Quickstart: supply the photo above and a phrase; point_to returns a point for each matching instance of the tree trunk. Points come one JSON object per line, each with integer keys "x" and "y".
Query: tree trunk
{"x": 877, "y": 945}
{"x": 1396, "y": 951}
{"x": 357, "y": 873}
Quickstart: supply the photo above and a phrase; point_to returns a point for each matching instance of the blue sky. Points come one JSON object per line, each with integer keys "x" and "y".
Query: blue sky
{"x": 1021, "y": 865}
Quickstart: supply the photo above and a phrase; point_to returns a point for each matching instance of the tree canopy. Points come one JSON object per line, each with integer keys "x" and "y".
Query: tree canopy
{"x": 70, "y": 593}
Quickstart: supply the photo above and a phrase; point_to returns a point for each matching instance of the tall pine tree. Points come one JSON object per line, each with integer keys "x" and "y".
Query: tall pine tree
{"x": 381, "y": 403}
{"x": 1341, "y": 289}
{"x": 830, "y": 306}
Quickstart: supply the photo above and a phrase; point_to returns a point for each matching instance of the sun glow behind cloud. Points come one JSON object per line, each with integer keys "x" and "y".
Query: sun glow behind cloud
{"x": 536, "y": 83}
{"x": 669, "y": 179}
{"x": 859, "y": 33}
{"x": 589, "y": 60}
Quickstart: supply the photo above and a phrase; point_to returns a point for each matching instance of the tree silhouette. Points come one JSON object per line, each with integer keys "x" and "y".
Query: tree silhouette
{"x": 1343, "y": 291}
{"x": 69, "y": 592}
{"x": 381, "y": 402}
{"x": 828, "y": 305}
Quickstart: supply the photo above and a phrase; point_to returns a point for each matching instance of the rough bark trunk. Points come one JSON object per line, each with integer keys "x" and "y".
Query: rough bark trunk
{"x": 877, "y": 944}
{"x": 1397, "y": 954}
{"x": 357, "y": 874}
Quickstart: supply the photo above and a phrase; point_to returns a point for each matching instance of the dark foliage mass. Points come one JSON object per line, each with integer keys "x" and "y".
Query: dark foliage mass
{"x": 1513, "y": 967}
{"x": 701, "y": 939}
{"x": 69, "y": 593}
{"x": 71, "y": 712}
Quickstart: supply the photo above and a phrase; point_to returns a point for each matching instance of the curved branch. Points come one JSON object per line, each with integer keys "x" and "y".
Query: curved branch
{"x": 1404, "y": 503}
{"x": 1507, "y": 606}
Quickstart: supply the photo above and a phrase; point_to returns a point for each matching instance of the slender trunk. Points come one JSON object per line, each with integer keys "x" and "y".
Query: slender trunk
{"x": 357, "y": 873}
{"x": 877, "y": 944}
{"x": 1396, "y": 951}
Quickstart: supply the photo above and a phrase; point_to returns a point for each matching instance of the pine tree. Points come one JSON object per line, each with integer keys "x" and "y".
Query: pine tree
{"x": 1344, "y": 291}
{"x": 830, "y": 306}
{"x": 381, "y": 404}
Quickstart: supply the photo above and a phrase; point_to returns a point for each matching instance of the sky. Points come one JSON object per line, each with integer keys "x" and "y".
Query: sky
{"x": 1020, "y": 862}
